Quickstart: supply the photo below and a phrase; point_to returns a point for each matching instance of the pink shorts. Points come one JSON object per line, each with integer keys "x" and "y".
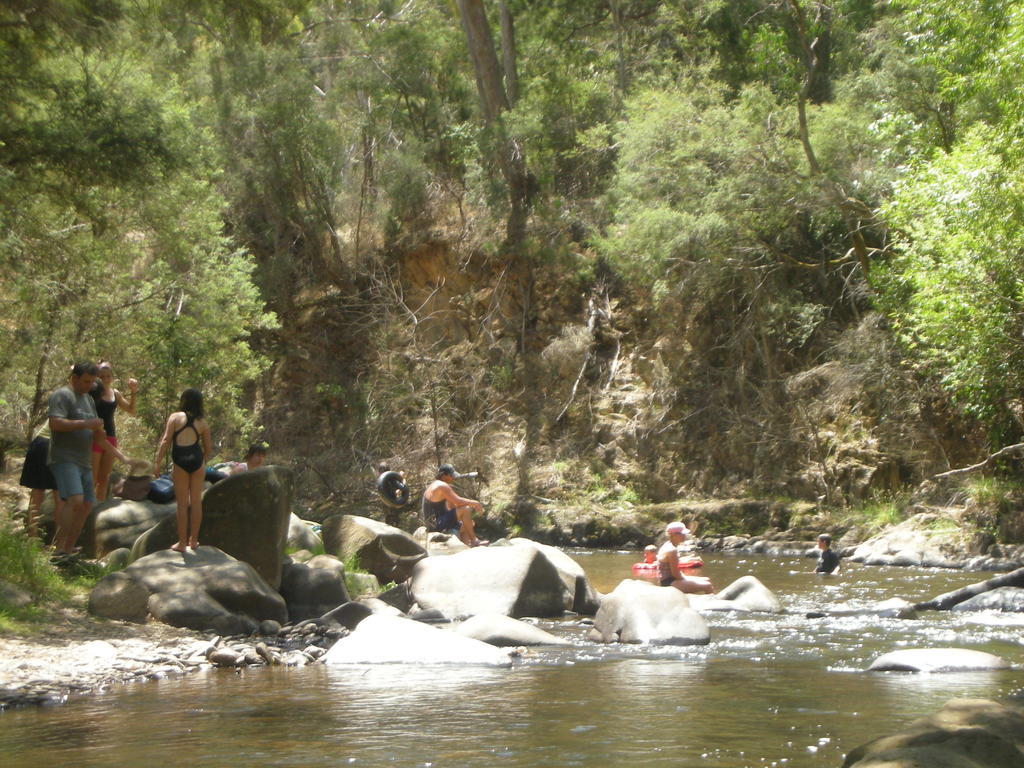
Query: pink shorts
{"x": 111, "y": 440}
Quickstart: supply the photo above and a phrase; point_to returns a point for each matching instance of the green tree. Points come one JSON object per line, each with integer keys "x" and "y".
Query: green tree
{"x": 111, "y": 225}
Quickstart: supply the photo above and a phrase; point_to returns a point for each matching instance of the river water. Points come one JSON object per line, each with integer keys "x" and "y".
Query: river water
{"x": 768, "y": 691}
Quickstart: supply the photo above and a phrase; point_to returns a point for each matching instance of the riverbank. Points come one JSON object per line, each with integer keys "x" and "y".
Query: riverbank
{"x": 70, "y": 653}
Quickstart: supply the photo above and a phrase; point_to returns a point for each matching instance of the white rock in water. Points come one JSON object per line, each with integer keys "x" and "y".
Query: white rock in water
{"x": 393, "y": 640}
{"x": 937, "y": 660}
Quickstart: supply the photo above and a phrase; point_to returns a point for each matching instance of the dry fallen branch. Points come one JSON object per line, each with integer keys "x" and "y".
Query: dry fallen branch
{"x": 1007, "y": 451}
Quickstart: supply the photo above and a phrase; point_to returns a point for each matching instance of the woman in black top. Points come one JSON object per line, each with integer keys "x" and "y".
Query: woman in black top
{"x": 188, "y": 436}
{"x": 108, "y": 400}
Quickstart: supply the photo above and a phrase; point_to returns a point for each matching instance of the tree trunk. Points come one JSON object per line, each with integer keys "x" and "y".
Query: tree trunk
{"x": 949, "y": 599}
{"x": 494, "y": 101}
{"x": 485, "y": 60}
{"x": 509, "y": 54}
{"x": 856, "y": 216}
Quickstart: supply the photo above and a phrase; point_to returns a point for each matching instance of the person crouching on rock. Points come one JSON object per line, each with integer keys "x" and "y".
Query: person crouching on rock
{"x": 668, "y": 563}
{"x": 445, "y": 511}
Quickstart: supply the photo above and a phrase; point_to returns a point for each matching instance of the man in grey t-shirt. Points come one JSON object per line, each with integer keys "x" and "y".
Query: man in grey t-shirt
{"x": 73, "y": 425}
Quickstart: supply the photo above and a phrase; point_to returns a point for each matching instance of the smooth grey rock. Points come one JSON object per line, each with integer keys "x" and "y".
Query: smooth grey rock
{"x": 301, "y": 535}
{"x": 311, "y": 591}
{"x": 14, "y": 596}
{"x": 118, "y": 523}
{"x": 194, "y": 609}
{"x": 393, "y": 640}
{"x": 1004, "y": 599}
{"x": 383, "y": 550}
{"x": 746, "y": 594}
{"x": 580, "y": 596}
{"x": 965, "y": 733}
{"x": 117, "y": 559}
{"x": 437, "y": 543}
{"x": 895, "y": 608}
{"x": 245, "y": 515}
{"x": 119, "y": 596}
{"x": 429, "y": 616}
{"x": 914, "y": 542}
{"x": 936, "y": 660}
{"x": 225, "y": 657}
{"x": 399, "y": 596}
{"x": 348, "y": 615}
{"x": 379, "y": 607}
{"x": 639, "y": 612}
{"x": 235, "y": 587}
{"x": 515, "y": 581}
{"x": 269, "y": 628}
{"x": 501, "y": 630}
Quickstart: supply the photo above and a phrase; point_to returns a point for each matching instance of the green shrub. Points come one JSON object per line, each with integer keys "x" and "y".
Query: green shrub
{"x": 24, "y": 563}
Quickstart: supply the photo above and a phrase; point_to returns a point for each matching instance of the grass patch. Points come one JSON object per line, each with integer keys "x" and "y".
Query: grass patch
{"x": 880, "y": 513}
{"x": 24, "y": 564}
{"x": 995, "y": 492}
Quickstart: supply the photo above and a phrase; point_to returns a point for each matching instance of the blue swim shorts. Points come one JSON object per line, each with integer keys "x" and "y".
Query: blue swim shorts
{"x": 73, "y": 480}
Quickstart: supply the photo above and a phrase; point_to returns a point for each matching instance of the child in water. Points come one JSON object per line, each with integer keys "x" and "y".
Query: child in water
{"x": 650, "y": 553}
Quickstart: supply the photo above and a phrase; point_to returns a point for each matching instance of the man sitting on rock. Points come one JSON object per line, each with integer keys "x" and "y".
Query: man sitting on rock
{"x": 668, "y": 563}
{"x": 445, "y": 511}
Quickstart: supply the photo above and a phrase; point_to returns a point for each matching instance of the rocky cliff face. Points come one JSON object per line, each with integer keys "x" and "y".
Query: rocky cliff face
{"x": 562, "y": 384}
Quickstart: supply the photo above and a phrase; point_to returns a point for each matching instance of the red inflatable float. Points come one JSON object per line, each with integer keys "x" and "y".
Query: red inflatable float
{"x": 651, "y": 570}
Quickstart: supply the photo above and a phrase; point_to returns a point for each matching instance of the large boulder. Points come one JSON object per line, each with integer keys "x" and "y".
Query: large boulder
{"x": 393, "y": 640}
{"x": 746, "y": 594}
{"x": 501, "y": 630}
{"x": 204, "y": 589}
{"x": 195, "y": 609}
{"x": 965, "y": 733}
{"x": 313, "y": 588}
{"x": 245, "y": 515}
{"x": 916, "y": 541}
{"x": 639, "y": 612}
{"x": 580, "y": 596}
{"x": 514, "y": 581}
{"x": 937, "y": 660}
{"x": 118, "y": 523}
{"x": 385, "y": 551}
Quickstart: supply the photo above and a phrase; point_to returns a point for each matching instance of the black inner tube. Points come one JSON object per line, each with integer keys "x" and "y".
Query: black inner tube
{"x": 392, "y": 490}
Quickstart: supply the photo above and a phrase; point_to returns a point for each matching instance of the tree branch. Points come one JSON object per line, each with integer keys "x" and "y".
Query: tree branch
{"x": 1008, "y": 450}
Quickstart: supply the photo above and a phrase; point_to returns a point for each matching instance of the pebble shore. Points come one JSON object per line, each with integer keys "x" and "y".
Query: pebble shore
{"x": 75, "y": 654}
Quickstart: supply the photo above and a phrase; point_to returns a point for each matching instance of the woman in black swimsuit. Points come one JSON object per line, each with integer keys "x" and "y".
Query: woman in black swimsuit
{"x": 188, "y": 436}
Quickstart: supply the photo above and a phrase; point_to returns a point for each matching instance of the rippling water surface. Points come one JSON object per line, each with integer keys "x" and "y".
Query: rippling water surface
{"x": 768, "y": 691}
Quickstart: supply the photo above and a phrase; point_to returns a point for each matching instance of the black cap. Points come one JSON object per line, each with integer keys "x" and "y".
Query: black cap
{"x": 447, "y": 469}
